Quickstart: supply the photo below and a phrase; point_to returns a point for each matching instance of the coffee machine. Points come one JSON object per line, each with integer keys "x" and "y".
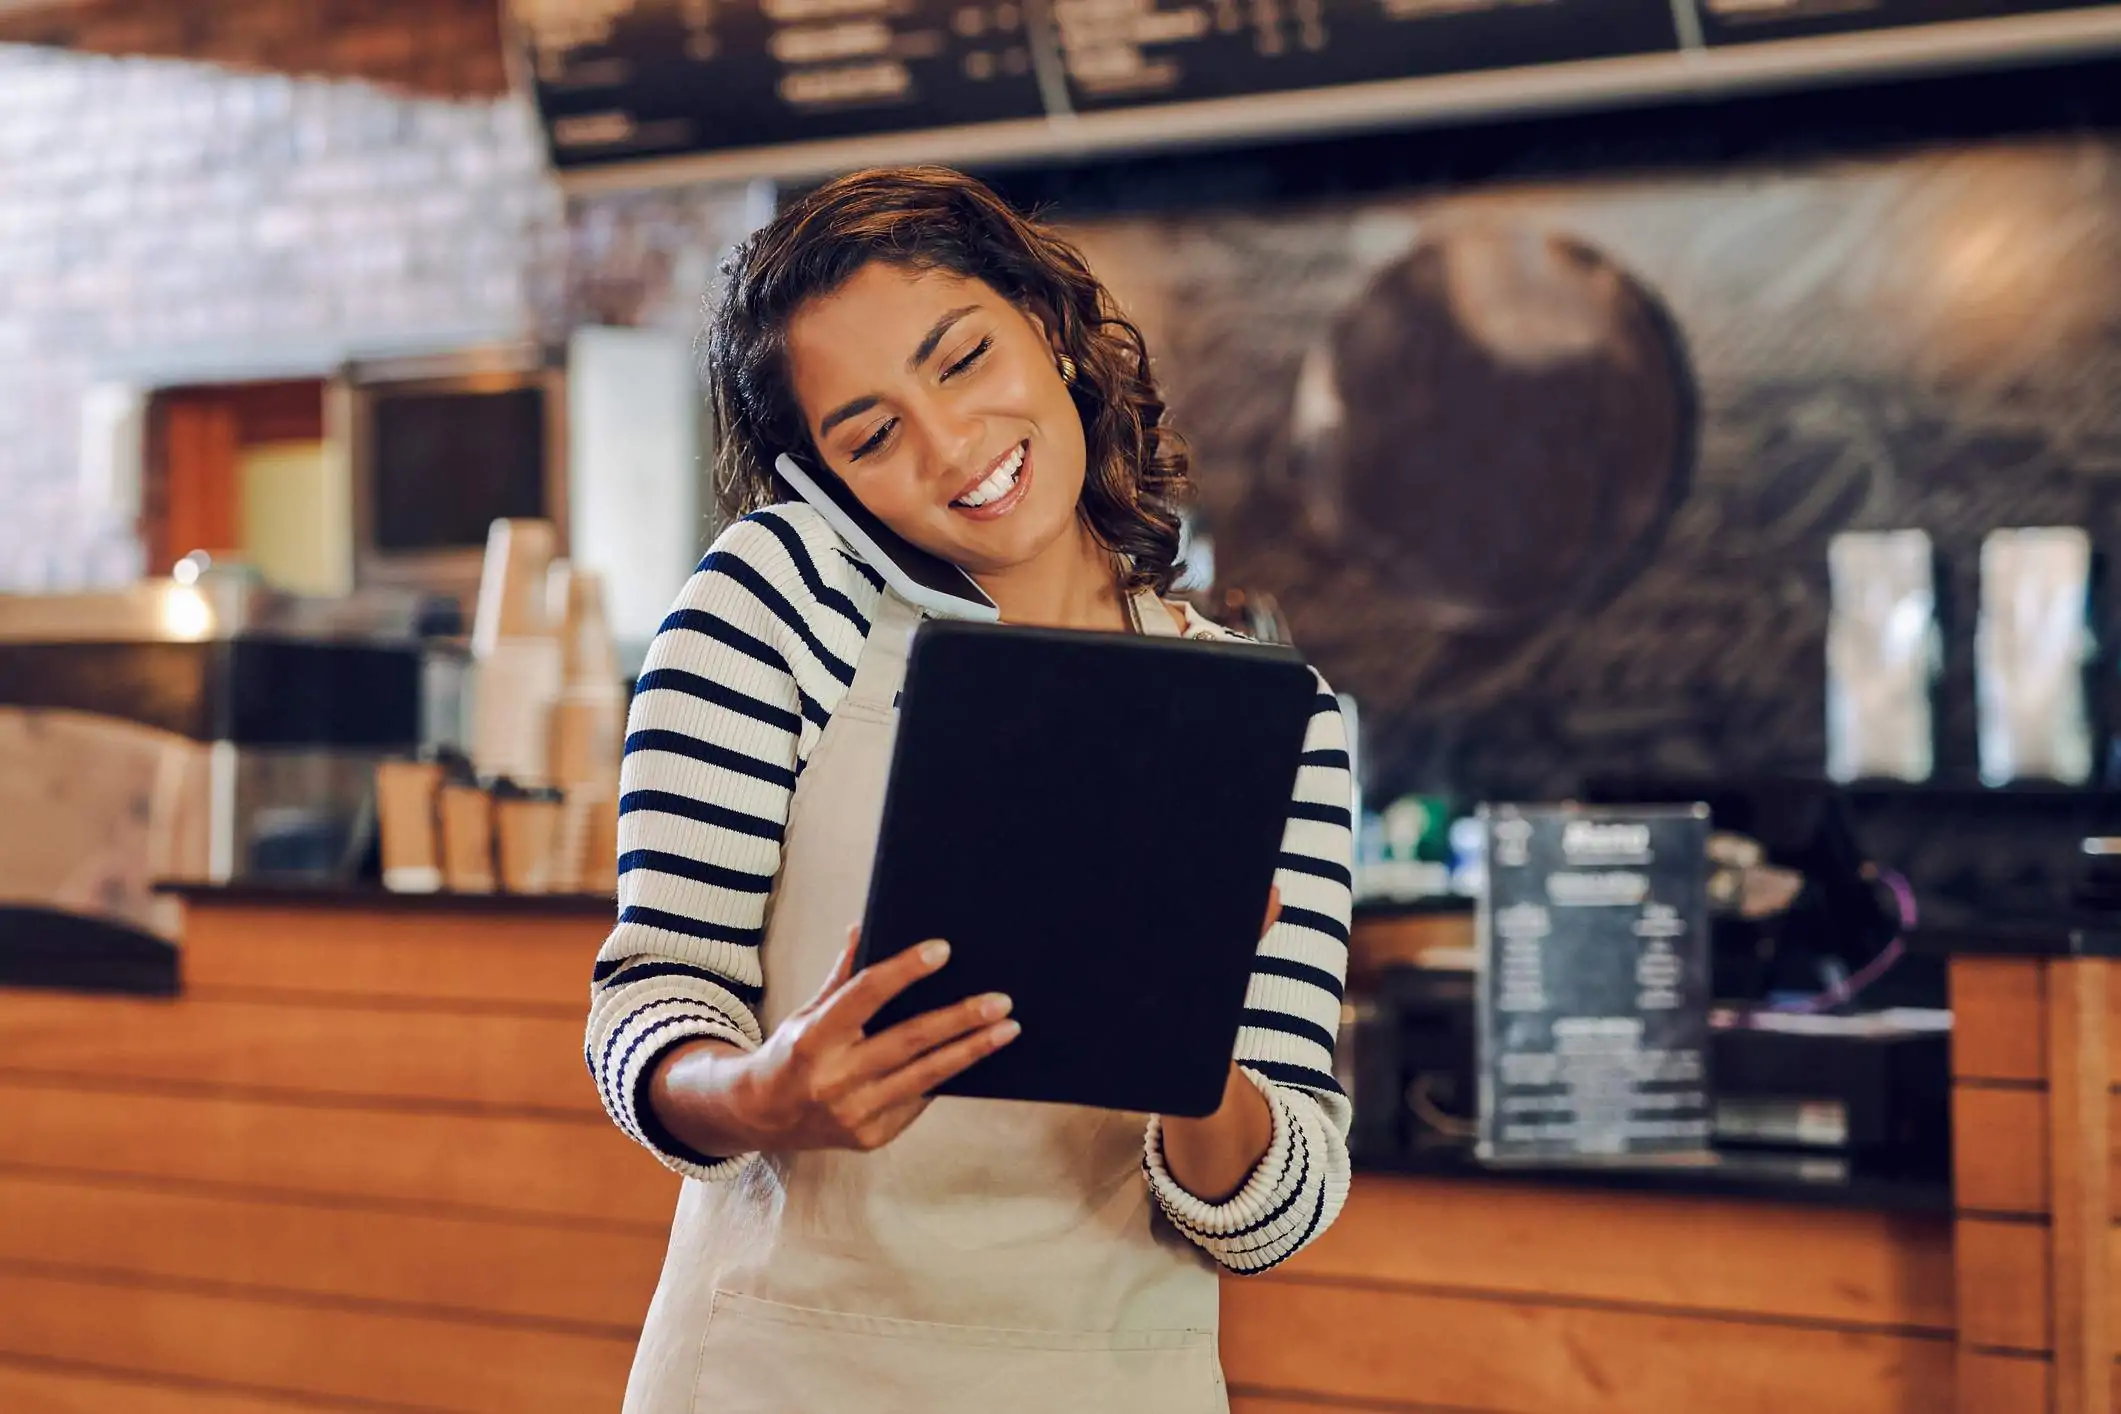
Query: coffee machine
{"x": 199, "y": 729}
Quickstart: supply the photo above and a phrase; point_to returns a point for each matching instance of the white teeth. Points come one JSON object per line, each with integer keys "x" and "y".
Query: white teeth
{"x": 998, "y": 484}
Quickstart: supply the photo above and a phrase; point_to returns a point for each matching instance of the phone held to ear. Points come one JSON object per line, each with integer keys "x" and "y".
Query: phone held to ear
{"x": 923, "y": 580}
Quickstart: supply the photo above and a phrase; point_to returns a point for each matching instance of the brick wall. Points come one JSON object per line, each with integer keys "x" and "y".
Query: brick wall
{"x": 447, "y": 47}
{"x": 163, "y": 221}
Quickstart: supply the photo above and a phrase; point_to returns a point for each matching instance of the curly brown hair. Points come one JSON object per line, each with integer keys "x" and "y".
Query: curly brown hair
{"x": 927, "y": 219}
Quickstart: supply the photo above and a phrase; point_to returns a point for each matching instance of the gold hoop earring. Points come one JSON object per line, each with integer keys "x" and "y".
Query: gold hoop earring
{"x": 1067, "y": 369}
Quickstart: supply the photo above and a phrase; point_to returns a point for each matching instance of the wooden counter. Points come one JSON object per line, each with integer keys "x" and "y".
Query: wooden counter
{"x": 357, "y": 1158}
{"x": 358, "y": 1163}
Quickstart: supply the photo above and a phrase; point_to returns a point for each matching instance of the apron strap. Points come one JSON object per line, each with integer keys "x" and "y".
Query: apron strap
{"x": 882, "y": 666}
{"x": 1150, "y": 616}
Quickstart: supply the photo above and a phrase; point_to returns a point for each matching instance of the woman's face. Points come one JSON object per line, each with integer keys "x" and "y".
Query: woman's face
{"x": 940, "y": 404}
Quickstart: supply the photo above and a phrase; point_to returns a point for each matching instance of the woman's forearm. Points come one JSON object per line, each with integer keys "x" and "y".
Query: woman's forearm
{"x": 1213, "y": 1157}
{"x": 699, "y": 1093}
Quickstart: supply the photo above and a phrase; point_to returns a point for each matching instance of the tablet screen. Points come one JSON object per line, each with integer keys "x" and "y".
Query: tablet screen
{"x": 1093, "y": 821}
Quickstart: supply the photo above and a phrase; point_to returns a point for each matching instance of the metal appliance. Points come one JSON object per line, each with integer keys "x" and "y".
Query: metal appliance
{"x": 203, "y": 729}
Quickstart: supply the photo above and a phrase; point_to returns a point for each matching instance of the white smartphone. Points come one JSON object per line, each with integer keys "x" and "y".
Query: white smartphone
{"x": 923, "y": 580}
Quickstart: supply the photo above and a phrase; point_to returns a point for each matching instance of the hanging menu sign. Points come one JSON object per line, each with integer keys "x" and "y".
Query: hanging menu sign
{"x": 1746, "y": 21}
{"x": 1122, "y": 52}
{"x": 800, "y": 84}
{"x": 1594, "y": 983}
{"x": 634, "y": 79}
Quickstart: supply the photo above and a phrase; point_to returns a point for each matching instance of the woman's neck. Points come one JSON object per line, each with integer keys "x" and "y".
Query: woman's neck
{"x": 1071, "y": 585}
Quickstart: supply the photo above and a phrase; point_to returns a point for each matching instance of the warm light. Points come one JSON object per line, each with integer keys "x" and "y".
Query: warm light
{"x": 1529, "y": 301}
{"x": 186, "y": 615}
{"x": 1992, "y": 259}
{"x": 1998, "y": 264}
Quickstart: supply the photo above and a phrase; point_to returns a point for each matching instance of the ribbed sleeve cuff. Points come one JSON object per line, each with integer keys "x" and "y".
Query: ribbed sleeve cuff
{"x": 636, "y": 1043}
{"x": 1259, "y": 1215}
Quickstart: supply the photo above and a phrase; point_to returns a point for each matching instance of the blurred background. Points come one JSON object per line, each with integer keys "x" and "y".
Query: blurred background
{"x": 1627, "y": 404}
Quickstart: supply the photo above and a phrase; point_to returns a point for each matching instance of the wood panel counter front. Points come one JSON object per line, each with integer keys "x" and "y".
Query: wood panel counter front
{"x": 358, "y": 1164}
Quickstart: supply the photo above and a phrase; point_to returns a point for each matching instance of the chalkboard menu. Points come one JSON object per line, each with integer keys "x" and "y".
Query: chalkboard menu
{"x": 1746, "y": 21}
{"x": 634, "y": 78}
{"x": 1155, "y": 51}
{"x": 779, "y": 86}
{"x": 1594, "y": 983}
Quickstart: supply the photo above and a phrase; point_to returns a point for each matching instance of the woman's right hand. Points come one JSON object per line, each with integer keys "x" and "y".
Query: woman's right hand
{"x": 819, "y": 1082}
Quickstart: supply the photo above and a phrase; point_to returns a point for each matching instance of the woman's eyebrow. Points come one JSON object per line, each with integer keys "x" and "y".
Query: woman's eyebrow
{"x": 935, "y": 335}
{"x": 840, "y": 414}
{"x": 857, "y": 406}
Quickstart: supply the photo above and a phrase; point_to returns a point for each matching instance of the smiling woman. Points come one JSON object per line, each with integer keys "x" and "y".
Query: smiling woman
{"x": 845, "y": 1241}
{"x": 933, "y": 333}
{"x": 972, "y": 443}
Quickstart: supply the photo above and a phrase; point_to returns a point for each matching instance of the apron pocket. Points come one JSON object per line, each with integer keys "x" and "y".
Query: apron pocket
{"x": 764, "y": 1357}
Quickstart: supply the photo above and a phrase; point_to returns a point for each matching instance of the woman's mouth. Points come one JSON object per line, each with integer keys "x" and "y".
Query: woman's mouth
{"x": 999, "y": 492}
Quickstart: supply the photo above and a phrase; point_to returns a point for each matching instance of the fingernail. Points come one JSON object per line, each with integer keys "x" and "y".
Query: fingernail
{"x": 1007, "y": 1031}
{"x": 934, "y": 953}
{"x": 994, "y": 1006}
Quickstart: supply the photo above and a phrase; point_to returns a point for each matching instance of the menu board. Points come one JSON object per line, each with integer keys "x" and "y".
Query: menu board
{"x": 1594, "y": 983}
{"x": 621, "y": 81}
{"x": 1747, "y": 21}
{"x": 644, "y": 78}
{"x": 1121, "y": 52}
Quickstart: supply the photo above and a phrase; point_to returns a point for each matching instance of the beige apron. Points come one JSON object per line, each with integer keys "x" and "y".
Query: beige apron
{"x": 996, "y": 1256}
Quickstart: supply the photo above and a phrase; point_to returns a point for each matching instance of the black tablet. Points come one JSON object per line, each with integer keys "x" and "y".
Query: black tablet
{"x": 1093, "y": 821}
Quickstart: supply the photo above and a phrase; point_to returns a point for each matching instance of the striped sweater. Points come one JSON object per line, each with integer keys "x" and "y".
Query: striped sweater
{"x": 735, "y": 694}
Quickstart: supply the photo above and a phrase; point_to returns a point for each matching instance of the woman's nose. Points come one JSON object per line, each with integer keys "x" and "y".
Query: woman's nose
{"x": 955, "y": 440}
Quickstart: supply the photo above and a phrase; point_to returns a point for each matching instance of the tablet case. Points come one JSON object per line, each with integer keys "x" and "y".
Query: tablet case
{"x": 1093, "y": 821}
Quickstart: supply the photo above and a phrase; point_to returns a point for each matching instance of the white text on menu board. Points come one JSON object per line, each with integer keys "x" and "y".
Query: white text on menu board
{"x": 1106, "y": 43}
{"x": 842, "y": 52}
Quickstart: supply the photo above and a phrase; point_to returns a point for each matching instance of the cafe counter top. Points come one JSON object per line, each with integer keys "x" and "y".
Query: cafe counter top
{"x": 1824, "y": 1180}
{"x": 356, "y": 1160}
{"x": 47, "y": 947}
{"x": 2086, "y": 935}
{"x": 371, "y": 896}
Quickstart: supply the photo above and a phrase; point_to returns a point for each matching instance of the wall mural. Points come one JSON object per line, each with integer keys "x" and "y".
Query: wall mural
{"x": 1544, "y": 474}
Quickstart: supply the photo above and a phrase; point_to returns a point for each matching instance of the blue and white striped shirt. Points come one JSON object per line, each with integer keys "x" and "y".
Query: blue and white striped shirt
{"x": 738, "y": 687}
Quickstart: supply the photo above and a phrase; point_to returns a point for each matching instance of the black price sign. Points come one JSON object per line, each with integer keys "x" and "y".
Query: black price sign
{"x": 637, "y": 78}
{"x": 815, "y": 84}
{"x": 1743, "y": 21}
{"x": 1120, "y": 53}
{"x": 624, "y": 80}
{"x": 1594, "y": 983}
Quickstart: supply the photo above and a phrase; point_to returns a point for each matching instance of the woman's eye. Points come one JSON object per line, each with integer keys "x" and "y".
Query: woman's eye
{"x": 979, "y": 351}
{"x": 876, "y": 440}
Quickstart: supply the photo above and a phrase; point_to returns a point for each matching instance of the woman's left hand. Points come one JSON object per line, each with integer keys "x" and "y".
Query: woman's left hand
{"x": 1211, "y": 1157}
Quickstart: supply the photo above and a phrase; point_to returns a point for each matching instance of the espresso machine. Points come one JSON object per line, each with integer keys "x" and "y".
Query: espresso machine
{"x": 200, "y": 729}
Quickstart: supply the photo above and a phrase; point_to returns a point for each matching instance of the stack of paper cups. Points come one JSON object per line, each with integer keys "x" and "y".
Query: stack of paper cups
{"x": 407, "y": 801}
{"x": 587, "y": 733}
{"x": 516, "y": 648}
